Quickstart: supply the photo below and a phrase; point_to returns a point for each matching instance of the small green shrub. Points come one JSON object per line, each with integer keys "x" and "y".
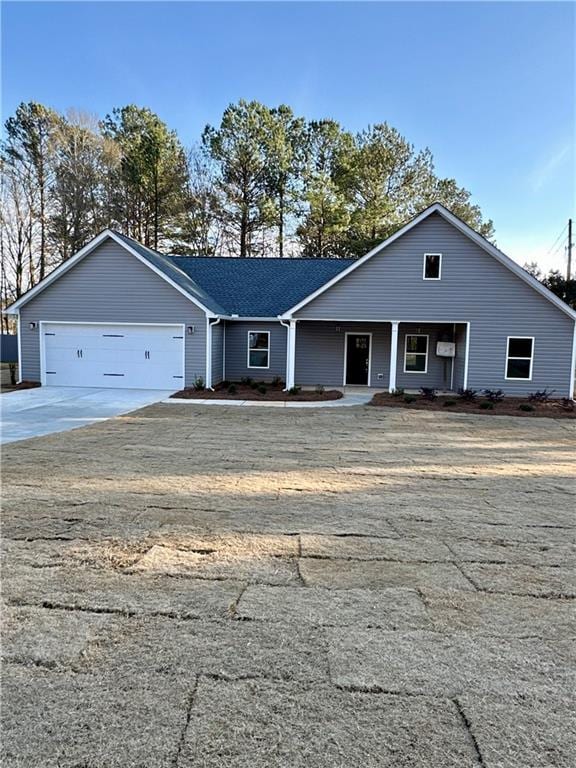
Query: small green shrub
{"x": 449, "y": 403}
{"x": 276, "y": 381}
{"x": 398, "y": 392}
{"x": 319, "y": 389}
{"x": 262, "y": 389}
{"x": 428, "y": 393}
{"x": 409, "y": 399}
{"x": 246, "y": 380}
{"x": 486, "y": 405}
{"x": 567, "y": 403}
{"x": 232, "y": 389}
{"x": 199, "y": 384}
{"x": 526, "y": 407}
{"x": 254, "y": 384}
{"x": 294, "y": 390}
{"x": 468, "y": 395}
{"x": 225, "y": 384}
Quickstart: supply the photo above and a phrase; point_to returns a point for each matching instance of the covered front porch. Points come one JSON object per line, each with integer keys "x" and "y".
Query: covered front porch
{"x": 382, "y": 355}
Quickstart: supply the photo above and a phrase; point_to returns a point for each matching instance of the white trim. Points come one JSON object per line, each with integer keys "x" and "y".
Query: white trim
{"x": 393, "y": 356}
{"x": 344, "y": 320}
{"x": 357, "y": 333}
{"x": 223, "y": 351}
{"x": 508, "y": 358}
{"x": 466, "y": 230}
{"x": 257, "y": 349}
{"x": 19, "y": 332}
{"x": 88, "y": 248}
{"x": 42, "y": 323}
{"x": 455, "y": 351}
{"x": 573, "y": 367}
{"x": 439, "y": 267}
{"x": 466, "y": 357}
{"x": 209, "y": 326}
{"x": 292, "y": 352}
{"x": 419, "y": 335}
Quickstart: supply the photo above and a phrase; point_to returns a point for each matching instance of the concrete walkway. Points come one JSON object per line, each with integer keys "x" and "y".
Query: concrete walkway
{"x": 42, "y": 411}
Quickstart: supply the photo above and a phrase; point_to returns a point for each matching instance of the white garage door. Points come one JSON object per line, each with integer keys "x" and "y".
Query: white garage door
{"x": 126, "y": 356}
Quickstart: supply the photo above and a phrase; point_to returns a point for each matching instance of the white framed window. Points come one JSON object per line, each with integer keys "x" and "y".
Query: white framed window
{"x": 432, "y": 269}
{"x": 416, "y": 353}
{"x": 519, "y": 358}
{"x": 258, "y": 349}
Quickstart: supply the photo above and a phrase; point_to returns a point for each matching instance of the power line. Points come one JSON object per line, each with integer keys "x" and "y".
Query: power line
{"x": 556, "y": 241}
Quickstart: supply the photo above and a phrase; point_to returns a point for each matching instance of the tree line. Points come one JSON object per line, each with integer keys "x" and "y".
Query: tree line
{"x": 264, "y": 182}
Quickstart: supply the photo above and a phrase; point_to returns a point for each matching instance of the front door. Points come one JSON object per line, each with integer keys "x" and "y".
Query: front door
{"x": 357, "y": 358}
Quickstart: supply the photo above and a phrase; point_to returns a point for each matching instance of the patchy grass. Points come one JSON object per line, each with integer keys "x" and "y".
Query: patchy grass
{"x": 279, "y": 587}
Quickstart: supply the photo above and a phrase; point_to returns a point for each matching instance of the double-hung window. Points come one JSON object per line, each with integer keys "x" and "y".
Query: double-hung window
{"x": 416, "y": 353}
{"x": 258, "y": 349}
{"x": 519, "y": 357}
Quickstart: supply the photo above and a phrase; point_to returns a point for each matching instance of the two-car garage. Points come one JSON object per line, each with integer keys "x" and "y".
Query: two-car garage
{"x": 122, "y": 355}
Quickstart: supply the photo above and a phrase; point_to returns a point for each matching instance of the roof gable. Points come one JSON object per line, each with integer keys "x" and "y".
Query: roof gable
{"x": 159, "y": 264}
{"x": 488, "y": 247}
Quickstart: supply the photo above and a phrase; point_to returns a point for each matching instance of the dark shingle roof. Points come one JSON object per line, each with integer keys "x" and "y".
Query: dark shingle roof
{"x": 167, "y": 265}
{"x": 258, "y": 287}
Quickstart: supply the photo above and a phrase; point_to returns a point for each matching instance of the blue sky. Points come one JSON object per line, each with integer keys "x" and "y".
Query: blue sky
{"x": 488, "y": 87}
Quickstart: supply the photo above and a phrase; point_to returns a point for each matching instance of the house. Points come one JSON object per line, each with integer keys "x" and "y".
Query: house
{"x": 435, "y": 305}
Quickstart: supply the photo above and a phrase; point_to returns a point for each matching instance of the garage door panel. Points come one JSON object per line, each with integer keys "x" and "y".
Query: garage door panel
{"x": 120, "y": 356}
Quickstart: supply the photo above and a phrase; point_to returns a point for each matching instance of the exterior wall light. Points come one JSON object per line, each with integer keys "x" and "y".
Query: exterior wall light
{"x": 191, "y": 329}
{"x": 32, "y": 326}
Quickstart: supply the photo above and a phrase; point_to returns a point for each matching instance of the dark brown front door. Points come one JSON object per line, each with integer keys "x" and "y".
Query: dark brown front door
{"x": 357, "y": 358}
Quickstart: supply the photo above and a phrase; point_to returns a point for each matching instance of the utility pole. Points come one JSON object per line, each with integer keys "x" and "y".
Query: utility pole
{"x": 569, "y": 267}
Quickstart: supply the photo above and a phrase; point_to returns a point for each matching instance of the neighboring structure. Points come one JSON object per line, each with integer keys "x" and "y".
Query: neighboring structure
{"x": 8, "y": 358}
{"x": 435, "y": 305}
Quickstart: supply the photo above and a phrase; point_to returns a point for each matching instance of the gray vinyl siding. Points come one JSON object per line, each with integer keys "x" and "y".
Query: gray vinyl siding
{"x": 439, "y": 370}
{"x": 237, "y": 351}
{"x": 112, "y": 286}
{"x": 320, "y": 349}
{"x": 217, "y": 353}
{"x": 474, "y": 287}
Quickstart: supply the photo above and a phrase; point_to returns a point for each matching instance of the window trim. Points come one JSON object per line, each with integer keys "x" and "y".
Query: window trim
{"x": 424, "y": 267}
{"x": 257, "y": 349}
{"x": 508, "y": 358}
{"x": 425, "y": 336}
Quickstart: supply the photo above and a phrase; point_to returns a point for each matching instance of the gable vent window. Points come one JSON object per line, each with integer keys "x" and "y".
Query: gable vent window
{"x": 519, "y": 357}
{"x": 258, "y": 349}
{"x": 432, "y": 266}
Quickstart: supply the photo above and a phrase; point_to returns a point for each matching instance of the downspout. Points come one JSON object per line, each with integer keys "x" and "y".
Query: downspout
{"x": 209, "y": 327}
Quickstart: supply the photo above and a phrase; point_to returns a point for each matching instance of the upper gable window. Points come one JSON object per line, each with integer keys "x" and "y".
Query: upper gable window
{"x": 432, "y": 266}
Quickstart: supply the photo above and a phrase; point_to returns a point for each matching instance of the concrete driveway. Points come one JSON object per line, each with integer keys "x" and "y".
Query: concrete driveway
{"x": 42, "y": 411}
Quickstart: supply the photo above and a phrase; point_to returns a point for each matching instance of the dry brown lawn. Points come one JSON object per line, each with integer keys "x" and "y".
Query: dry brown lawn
{"x": 254, "y": 588}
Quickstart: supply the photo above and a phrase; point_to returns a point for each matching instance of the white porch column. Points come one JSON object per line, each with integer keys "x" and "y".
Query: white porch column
{"x": 393, "y": 356}
{"x": 291, "y": 354}
{"x": 208, "y": 381}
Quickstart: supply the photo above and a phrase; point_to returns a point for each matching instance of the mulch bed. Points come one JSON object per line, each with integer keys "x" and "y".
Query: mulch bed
{"x": 22, "y": 385}
{"x": 274, "y": 392}
{"x": 510, "y": 406}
